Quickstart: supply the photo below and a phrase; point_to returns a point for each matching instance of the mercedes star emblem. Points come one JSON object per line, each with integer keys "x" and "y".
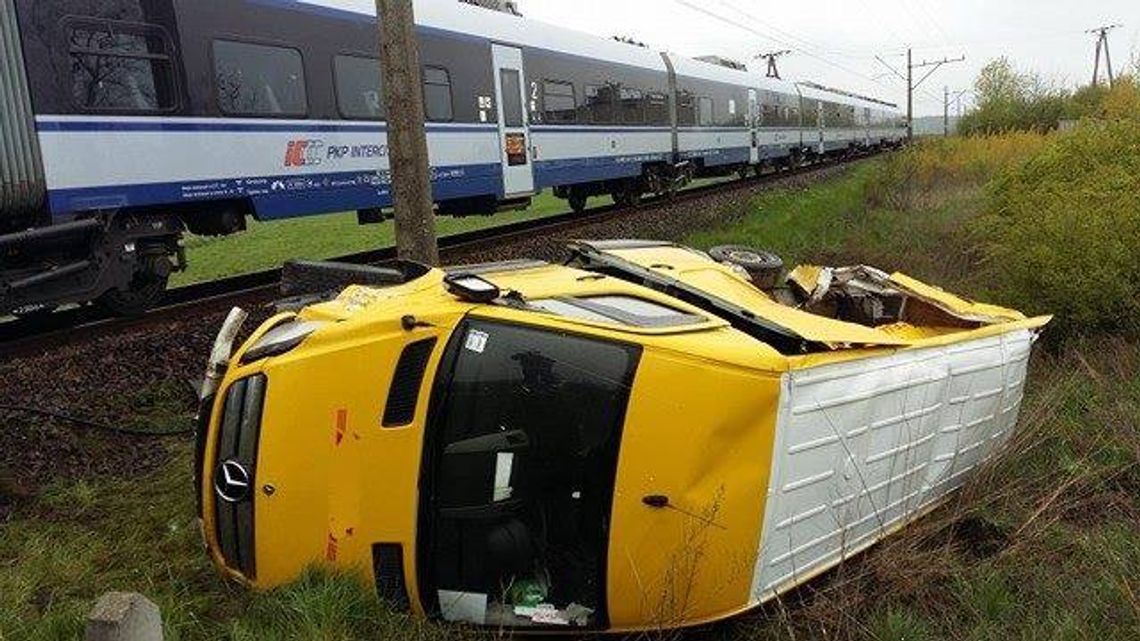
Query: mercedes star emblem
{"x": 232, "y": 482}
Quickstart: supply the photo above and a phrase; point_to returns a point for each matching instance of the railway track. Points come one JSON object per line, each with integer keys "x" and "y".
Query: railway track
{"x": 25, "y": 336}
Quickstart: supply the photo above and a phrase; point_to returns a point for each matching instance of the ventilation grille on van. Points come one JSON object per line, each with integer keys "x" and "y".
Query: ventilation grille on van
{"x": 21, "y": 171}
{"x": 234, "y": 475}
{"x": 401, "y": 407}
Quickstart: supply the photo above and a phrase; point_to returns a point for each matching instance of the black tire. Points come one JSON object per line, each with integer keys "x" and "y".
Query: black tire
{"x": 143, "y": 293}
{"x": 577, "y": 202}
{"x": 764, "y": 267}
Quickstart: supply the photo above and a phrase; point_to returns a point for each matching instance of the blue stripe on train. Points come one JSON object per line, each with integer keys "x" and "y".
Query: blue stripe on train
{"x": 718, "y": 157}
{"x": 275, "y": 197}
{"x": 551, "y": 173}
{"x": 224, "y": 125}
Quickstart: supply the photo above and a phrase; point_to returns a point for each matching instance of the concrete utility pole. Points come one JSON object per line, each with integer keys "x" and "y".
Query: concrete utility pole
{"x": 911, "y": 85}
{"x": 407, "y": 135}
{"x": 771, "y": 57}
{"x": 1101, "y": 34}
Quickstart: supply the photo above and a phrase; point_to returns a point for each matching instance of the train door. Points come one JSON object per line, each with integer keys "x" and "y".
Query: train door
{"x": 754, "y": 123}
{"x": 518, "y": 173}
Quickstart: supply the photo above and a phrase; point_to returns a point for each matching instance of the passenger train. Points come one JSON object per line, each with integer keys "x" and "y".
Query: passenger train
{"x": 127, "y": 123}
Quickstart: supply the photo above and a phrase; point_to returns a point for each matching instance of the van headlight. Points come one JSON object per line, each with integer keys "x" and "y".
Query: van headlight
{"x": 281, "y": 339}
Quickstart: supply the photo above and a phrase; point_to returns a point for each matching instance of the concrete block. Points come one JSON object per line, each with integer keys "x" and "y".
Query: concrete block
{"x": 123, "y": 616}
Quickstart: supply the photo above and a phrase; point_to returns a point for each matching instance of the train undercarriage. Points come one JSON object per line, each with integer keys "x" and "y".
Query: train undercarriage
{"x": 122, "y": 261}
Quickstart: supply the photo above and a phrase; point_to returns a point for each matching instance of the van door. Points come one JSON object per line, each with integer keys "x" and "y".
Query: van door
{"x": 754, "y": 123}
{"x": 514, "y": 134}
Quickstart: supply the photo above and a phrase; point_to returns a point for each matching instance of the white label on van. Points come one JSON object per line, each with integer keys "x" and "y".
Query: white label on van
{"x": 477, "y": 341}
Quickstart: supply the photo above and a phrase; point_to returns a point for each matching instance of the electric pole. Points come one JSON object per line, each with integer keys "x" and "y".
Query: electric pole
{"x": 1101, "y": 34}
{"x": 407, "y": 134}
{"x": 911, "y": 85}
{"x": 771, "y": 57}
{"x": 946, "y": 108}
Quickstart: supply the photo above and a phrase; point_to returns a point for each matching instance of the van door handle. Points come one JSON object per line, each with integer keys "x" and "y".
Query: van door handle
{"x": 656, "y": 501}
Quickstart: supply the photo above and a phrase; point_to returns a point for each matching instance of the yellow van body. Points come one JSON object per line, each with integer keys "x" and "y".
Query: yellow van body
{"x": 694, "y": 473}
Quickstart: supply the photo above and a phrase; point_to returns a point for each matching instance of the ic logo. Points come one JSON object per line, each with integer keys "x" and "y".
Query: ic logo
{"x": 232, "y": 482}
{"x": 304, "y": 153}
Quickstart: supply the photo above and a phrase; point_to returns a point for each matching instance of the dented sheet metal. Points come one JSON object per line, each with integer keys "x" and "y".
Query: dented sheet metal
{"x": 865, "y": 446}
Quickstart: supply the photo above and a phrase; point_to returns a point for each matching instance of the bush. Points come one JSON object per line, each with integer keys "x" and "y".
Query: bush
{"x": 1060, "y": 232}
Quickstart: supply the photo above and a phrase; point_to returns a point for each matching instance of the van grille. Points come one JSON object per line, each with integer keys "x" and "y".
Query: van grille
{"x": 21, "y": 172}
{"x": 405, "y": 391}
{"x": 234, "y": 479}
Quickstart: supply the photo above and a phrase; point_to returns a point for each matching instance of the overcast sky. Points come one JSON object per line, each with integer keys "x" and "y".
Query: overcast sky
{"x": 835, "y": 41}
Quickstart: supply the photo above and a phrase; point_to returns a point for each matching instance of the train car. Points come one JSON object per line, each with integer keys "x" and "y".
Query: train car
{"x": 641, "y": 440}
{"x": 716, "y": 109}
{"x": 130, "y": 122}
{"x": 780, "y": 130}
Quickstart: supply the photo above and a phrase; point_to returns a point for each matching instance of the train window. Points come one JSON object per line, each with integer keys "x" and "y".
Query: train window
{"x": 705, "y": 112}
{"x": 359, "y": 93}
{"x": 686, "y": 110}
{"x": 769, "y": 116}
{"x": 121, "y": 67}
{"x": 259, "y": 80}
{"x": 437, "y": 94}
{"x": 632, "y": 107}
{"x": 600, "y": 104}
{"x": 657, "y": 109}
{"x": 559, "y": 102}
{"x": 511, "y": 84}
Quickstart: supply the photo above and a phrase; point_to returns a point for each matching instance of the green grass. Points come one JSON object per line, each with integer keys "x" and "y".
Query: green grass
{"x": 268, "y": 245}
{"x": 82, "y": 538}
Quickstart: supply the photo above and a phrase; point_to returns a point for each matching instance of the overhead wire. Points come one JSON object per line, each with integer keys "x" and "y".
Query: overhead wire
{"x": 753, "y": 30}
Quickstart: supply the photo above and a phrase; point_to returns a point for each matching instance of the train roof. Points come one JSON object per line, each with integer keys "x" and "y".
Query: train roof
{"x": 458, "y": 17}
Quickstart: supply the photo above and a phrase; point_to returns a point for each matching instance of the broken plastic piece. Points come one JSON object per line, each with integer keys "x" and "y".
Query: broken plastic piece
{"x": 578, "y": 614}
{"x": 547, "y": 614}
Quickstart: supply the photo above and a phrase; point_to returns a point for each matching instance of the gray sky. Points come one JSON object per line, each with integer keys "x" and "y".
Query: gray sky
{"x": 835, "y": 41}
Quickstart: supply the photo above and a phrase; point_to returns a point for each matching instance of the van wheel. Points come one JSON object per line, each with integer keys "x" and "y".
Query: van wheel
{"x": 577, "y": 202}
{"x": 764, "y": 267}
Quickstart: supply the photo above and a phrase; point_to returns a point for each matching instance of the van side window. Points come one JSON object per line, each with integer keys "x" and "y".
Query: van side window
{"x": 705, "y": 112}
{"x": 437, "y": 95}
{"x": 259, "y": 80}
{"x": 359, "y": 91}
{"x": 121, "y": 67}
{"x": 559, "y": 103}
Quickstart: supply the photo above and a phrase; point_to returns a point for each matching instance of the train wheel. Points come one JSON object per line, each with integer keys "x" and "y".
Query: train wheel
{"x": 143, "y": 292}
{"x": 627, "y": 198}
{"x": 577, "y": 202}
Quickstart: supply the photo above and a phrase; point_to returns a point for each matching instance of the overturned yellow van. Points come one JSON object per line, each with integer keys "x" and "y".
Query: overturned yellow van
{"x": 640, "y": 439}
